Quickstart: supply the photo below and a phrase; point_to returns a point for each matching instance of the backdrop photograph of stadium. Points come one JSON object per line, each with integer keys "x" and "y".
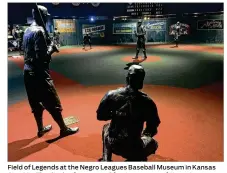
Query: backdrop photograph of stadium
{"x": 91, "y": 82}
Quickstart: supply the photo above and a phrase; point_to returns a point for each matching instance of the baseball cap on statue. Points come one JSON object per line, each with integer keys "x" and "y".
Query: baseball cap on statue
{"x": 43, "y": 10}
{"x": 135, "y": 77}
{"x": 136, "y": 70}
{"x": 140, "y": 21}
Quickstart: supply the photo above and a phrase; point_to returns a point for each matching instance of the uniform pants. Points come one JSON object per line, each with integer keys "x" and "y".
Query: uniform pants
{"x": 136, "y": 150}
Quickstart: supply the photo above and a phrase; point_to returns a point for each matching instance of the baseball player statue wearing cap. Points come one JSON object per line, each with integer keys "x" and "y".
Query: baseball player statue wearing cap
{"x": 87, "y": 40}
{"x": 128, "y": 109}
{"x": 18, "y": 35}
{"x": 39, "y": 85}
{"x": 177, "y": 33}
{"x": 140, "y": 34}
{"x": 56, "y": 36}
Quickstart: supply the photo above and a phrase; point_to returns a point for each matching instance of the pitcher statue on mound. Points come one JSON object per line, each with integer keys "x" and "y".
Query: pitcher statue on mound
{"x": 140, "y": 34}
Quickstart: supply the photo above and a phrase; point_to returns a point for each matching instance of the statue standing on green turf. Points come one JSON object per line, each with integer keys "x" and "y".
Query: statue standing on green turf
{"x": 18, "y": 35}
{"x": 177, "y": 33}
{"x": 128, "y": 109}
{"x": 87, "y": 40}
{"x": 56, "y": 37}
{"x": 140, "y": 33}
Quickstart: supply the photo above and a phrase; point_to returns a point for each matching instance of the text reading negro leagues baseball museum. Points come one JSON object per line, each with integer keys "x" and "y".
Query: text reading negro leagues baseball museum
{"x": 110, "y": 168}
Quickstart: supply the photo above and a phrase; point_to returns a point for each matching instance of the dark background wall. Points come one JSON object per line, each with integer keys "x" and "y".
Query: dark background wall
{"x": 155, "y": 35}
{"x": 179, "y": 8}
{"x": 18, "y": 12}
{"x": 199, "y": 36}
{"x": 104, "y": 37}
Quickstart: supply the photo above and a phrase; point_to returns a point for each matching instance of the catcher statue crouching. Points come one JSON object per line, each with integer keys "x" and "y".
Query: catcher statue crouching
{"x": 128, "y": 109}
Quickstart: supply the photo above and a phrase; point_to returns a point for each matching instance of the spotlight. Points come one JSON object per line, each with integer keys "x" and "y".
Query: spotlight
{"x": 145, "y": 18}
{"x": 92, "y": 19}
